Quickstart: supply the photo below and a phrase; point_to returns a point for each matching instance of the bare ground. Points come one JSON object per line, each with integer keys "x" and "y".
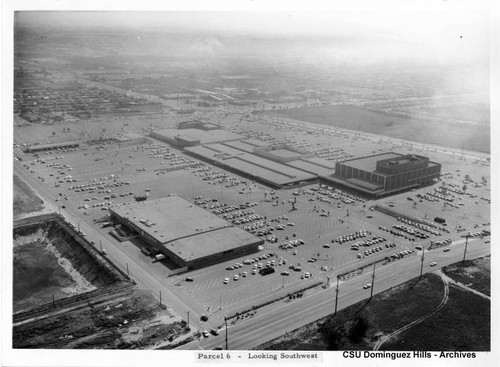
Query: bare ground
{"x": 25, "y": 199}
{"x": 132, "y": 320}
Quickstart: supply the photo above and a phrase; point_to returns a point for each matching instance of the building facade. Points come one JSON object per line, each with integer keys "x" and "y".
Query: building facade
{"x": 385, "y": 173}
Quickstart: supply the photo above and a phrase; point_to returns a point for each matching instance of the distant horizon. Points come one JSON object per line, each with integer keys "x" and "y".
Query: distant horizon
{"x": 364, "y": 37}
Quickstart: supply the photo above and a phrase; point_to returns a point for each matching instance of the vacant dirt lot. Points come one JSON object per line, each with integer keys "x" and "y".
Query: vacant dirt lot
{"x": 50, "y": 264}
{"x": 132, "y": 320}
{"x": 25, "y": 199}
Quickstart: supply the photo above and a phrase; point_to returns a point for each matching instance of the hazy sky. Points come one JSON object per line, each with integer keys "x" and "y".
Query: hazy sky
{"x": 364, "y": 36}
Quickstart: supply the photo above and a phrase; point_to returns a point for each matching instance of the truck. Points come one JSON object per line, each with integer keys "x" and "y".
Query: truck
{"x": 439, "y": 220}
{"x": 159, "y": 257}
{"x": 266, "y": 271}
{"x": 141, "y": 197}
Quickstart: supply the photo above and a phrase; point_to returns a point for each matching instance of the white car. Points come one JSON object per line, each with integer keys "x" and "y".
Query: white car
{"x": 366, "y": 286}
{"x": 433, "y": 263}
{"x": 226, "y": 280}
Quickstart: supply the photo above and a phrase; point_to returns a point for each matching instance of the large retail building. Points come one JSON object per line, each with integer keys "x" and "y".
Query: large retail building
{"x": 386, "y": 173}
{"x": 186, "y": 234}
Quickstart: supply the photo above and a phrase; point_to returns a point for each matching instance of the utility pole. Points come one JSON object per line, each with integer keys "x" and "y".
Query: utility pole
{"x": 225, "y": 322}
{"x": 127, "y": 269}
{"x": 422, "y": 262}
{"x": 188, "y": 322}
{"x": 160, "y": 297}
{"x": 336, "y": 295}
{"x": 373, "y": 281}
{"x": 220, "y": 301}
{"x": 465, "y": 249}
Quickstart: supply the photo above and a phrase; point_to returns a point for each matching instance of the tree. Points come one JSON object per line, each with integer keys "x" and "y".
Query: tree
{"x": 358, "y": 329}
{"x": 464, "y": 188}
{"x": 333, "y": 334}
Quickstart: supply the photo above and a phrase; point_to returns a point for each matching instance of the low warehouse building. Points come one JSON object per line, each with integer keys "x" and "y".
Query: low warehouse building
{"x": 128, "y": 139}
{"x": 54, "y": 146}
{"x": 189, "y": 137}
{"x": 185, "y": 233}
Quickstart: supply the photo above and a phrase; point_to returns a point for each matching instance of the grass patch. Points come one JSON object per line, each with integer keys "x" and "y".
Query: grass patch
{"x": 356, "y": 327}
{"x": 475, "y": 274}
{"x": 462, "y": 324}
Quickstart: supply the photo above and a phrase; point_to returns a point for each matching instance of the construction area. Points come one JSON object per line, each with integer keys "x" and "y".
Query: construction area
{"x": 67, "y": 294}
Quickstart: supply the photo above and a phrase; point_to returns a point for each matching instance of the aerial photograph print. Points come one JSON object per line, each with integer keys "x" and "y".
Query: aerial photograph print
{"x": 293, "y": 186}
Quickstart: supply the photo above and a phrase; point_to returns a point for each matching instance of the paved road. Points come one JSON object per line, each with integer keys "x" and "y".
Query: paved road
{"x": 275, "y": 322}
{"x": 263, "y": 326}
{"x": 141, "y": 272}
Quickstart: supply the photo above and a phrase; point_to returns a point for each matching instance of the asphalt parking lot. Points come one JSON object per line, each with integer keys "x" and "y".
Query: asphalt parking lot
{"x": 319, "y": 215}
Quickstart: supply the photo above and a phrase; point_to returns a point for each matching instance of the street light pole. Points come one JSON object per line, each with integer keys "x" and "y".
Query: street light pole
{"x": 188, "y": 322}
{"x": 373, "y": 281}
{"x": 465, "y": 249}
{"x": 225, "y": 322}
{"x": 422, "y": 262}
{"x": 336, "y": 295}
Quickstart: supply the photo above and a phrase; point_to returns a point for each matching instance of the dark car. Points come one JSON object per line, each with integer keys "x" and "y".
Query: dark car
{"x": 266, "y": 271}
